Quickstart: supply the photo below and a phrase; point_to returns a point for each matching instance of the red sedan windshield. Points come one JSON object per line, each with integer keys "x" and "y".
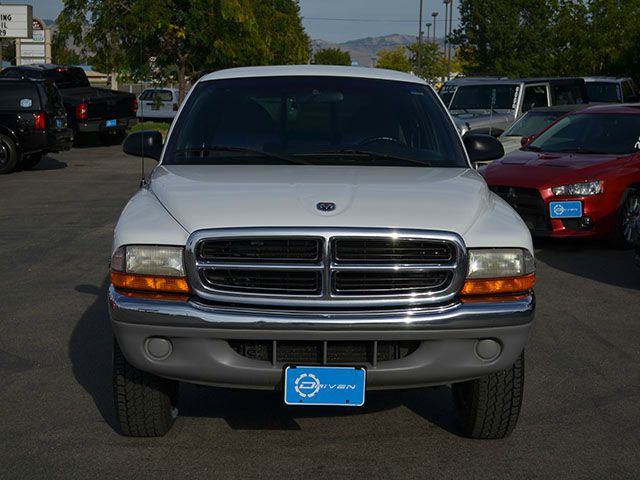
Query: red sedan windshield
{"x": 595, "y": 133}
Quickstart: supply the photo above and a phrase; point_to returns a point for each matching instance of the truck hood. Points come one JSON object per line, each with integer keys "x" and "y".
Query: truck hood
{"x": 200, "y": 197}
{"x": 479, "y": 120}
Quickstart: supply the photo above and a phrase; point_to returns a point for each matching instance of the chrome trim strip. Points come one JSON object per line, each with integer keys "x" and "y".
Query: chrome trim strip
{"x": 194, "y": 314}
{"x": 457, "y": 267}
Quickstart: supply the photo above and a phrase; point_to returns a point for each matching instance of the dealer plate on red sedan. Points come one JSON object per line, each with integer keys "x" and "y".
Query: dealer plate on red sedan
{"x": 569, "y": 209}
{"x": 343, "y": 386}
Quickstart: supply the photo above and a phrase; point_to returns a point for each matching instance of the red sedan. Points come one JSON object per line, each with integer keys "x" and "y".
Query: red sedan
{"x": 580, "y": 177}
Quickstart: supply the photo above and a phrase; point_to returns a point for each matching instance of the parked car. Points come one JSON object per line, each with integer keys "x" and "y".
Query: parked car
{"x": 579, "y": 178}
{"x": 611, "y": 90}
{"x": 490, "y": 105}
{"x": 158, "y": 103}
{"x": 531, "y": 123}
{"x": 33, "y": 122}
{"x": 89, "y": 109}
{"x": 319, "y": 231}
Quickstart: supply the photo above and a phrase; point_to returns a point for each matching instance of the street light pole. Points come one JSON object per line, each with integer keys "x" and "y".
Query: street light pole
{"x": 446, "y": 34}
{"x": 428, "y": 25}
{"x": 419, "y": 56}
{"x": 434, "y": 15}
{"x": 450, "y": 33}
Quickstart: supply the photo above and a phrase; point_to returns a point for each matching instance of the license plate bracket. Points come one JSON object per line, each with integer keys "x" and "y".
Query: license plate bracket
{"x": 315, "y": 385}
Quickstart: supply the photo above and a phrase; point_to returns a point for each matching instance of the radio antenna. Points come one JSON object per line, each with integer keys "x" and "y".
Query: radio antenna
{"x": 143, "y": 180}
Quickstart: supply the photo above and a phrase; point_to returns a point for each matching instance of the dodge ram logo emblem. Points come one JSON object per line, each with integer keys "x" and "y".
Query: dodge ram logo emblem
{"x": 326, "y": 206}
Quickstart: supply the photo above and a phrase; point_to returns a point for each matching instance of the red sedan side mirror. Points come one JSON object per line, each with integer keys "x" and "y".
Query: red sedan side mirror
{"x": 524, "y": 141}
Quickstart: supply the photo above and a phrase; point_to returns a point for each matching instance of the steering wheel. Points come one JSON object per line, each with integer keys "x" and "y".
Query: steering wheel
{"x": 370, "y": 140}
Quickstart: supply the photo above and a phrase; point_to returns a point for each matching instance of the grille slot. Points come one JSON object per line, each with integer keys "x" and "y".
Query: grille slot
{"x": 265, "y": 249}
{"x": 385, "y": 282}
{"x": 324, "y": 353}
{"x": 530, "y": 206}
{"x": 279, "y": 282}
{"x": 391, "y": 250}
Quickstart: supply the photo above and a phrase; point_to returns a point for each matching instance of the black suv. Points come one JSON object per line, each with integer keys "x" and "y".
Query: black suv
{"x": 33, "y": 122}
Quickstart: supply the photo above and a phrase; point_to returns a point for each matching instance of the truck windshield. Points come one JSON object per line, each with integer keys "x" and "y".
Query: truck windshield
{"x": 67, "y": 77}
{"x": 603, "y": 133}
{"x": 604, "y": 92}
{"x": 485, "y": 97}
{"x": 314, "y": 120}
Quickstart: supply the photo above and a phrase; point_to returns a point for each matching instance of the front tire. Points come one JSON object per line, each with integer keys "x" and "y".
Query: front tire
{"x": 490, "y": 406}
{"x": 626, "y": 215}
{"x": 8, "y": 155}
{"x": 145, "y": 403}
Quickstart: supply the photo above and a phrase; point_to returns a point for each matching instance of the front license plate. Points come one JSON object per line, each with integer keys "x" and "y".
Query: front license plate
{"x": 112, "y": 123}
{"x": 344, "y": 386}
{"x": 570, "y": 209}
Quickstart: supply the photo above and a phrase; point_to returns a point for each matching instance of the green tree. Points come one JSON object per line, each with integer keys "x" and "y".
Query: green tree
{"x": 432, "y": 60}
{"x": 549, "y": 37}
{"x": 183, "y": 38}
{"x": 394, "y": 59}
{"x": 61, "y": 53}
{"x": 332, "y": 56}
{"x": 506, "y": 36}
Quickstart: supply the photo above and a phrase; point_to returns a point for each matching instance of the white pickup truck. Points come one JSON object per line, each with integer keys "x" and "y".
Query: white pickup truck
{"x": 318, "y": 231}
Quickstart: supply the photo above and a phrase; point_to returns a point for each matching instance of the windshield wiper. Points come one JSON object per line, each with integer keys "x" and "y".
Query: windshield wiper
{"x": 366, "y": 153}
{"x": 227, "y": 148}
{"x": 582, "y": 150}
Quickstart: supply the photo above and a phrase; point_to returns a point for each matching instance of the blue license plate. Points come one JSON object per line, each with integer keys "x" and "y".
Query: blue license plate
{"x": 571, "y": 209}
{"x": 344, "y": 386}
{"x": 59, "y": 123}
{"x": 112, "y": 123}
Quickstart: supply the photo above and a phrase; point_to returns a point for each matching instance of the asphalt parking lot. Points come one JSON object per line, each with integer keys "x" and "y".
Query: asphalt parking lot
{"x": 580, "y": 419}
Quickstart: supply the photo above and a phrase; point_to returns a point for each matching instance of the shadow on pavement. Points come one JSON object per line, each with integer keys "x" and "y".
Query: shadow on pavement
{"x": 264, "y": 410}
{"x": 47, "y": 163}
{"x": 592, "y": 259}
{"x": 90, "y": 351}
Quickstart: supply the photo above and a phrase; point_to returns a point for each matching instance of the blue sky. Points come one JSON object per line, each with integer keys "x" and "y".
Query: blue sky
{"x": 335, "y": 20}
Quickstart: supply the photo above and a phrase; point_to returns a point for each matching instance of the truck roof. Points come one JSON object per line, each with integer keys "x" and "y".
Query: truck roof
{"x": 313, "y": 70}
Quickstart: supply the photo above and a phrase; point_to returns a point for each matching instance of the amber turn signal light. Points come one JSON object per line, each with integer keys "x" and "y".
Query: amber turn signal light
{"x": 149, "y": 283}
{"x": 498, "y": 286}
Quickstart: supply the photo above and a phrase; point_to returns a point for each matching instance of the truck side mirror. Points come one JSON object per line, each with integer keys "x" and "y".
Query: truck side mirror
{"x": 482, "y": 148}
{"x": 146, "y": 143}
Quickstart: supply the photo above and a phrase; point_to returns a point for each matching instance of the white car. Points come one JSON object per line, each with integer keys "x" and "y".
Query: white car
{"x": 318, "y": 231}
{"x": 158, "y": 103}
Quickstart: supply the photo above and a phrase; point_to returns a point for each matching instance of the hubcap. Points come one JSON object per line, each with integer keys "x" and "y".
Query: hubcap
{"x": 629, "y": 215}
{"x": 4, "y": 154}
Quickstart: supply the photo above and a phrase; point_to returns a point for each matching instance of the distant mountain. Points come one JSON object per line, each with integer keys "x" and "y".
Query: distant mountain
{"x": 365, "y": 50}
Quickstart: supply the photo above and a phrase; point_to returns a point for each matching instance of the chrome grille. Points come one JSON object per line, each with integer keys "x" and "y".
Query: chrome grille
{"x": 339, "y": 267}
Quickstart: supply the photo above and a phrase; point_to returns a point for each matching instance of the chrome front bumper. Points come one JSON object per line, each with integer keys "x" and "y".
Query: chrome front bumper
{"x": 200, "y": 351}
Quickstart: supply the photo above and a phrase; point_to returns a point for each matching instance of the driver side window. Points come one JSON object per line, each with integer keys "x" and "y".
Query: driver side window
{"x": 535, "y": 96}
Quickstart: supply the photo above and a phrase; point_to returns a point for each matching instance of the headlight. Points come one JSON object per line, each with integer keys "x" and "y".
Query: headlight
{"x": 580, "y": 189}
{"x": 500, "y": 262}
{"x": 499, "y": 271}
{"x": 149, "y": 268}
